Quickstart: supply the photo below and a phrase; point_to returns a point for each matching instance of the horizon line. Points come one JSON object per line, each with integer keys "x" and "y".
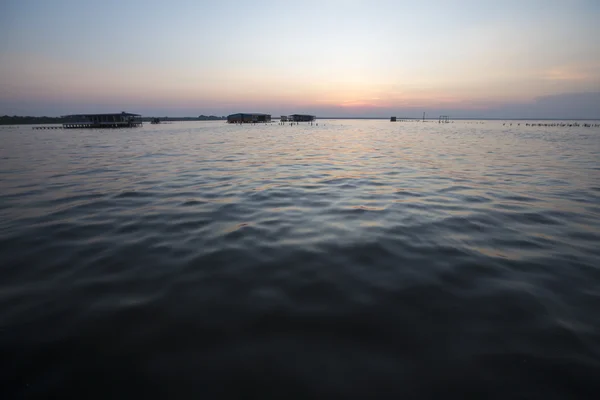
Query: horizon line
{"x": 351, "y": 117}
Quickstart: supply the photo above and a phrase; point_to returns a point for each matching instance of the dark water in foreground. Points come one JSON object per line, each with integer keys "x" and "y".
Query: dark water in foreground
{"x": 356, "y": 258}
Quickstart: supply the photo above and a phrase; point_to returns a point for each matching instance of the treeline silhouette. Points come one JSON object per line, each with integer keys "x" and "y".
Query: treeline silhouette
{"x": 28, "y": 120}
{"x": 199, "y": 118}
{"x": 210, "y": 118}
{"x": 17, "y": 120}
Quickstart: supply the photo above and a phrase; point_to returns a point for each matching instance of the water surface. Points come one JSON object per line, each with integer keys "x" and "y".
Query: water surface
{"x": 351, "y": 258}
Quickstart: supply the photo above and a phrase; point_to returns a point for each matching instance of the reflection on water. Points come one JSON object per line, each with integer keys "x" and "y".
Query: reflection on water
{"x": 196, "y": 259}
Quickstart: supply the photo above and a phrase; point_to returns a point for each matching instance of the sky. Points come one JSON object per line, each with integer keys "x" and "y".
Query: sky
{"x": 376, "y": 58}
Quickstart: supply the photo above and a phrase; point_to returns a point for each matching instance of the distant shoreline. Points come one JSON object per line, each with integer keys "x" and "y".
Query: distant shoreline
{"x": 29, "y": 120}
{"x": 470, "y": 119}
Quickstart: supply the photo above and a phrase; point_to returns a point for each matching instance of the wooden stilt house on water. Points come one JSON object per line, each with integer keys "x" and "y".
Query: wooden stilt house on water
{"x": 117, "y": 120}
{"x": 248, "y": 118}
{"x": 301, "y": 118}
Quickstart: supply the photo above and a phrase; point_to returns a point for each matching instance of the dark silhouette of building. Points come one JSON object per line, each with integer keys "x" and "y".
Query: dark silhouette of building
{"x": 247, "y": 118}
{"x": 116, "y": 120}
{"x": 302, "y": 118}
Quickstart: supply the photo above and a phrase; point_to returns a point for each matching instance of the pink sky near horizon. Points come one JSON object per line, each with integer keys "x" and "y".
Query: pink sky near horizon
{"x": 352, "y": 59}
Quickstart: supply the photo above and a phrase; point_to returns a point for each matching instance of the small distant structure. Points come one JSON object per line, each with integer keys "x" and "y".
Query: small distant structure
{"x": 248, "y": 118}
{"x": 94, "y": 121}
{"x": 444, "y": 119}
{"x": 284, "y": 118}
{"x": 393, "y": 119}
{"x": 155, "y": 121}
{"x": 302, "y": 118}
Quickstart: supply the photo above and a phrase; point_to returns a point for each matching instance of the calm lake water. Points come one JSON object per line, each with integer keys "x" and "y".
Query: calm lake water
{"x": 355, "y": 258}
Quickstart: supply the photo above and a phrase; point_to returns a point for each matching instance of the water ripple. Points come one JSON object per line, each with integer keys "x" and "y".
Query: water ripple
{"x": 203, "y": 259}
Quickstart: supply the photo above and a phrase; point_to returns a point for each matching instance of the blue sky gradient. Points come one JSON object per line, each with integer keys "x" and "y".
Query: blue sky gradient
{"x": 331, "y": 58}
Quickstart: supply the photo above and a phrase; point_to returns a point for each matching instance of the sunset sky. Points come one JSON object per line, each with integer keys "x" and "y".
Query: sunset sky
{"x": 525, "y": 58}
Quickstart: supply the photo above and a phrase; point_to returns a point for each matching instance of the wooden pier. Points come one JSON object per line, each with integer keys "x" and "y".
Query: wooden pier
{"x": 90, "y": 126}
{"x": 102, "y": 125}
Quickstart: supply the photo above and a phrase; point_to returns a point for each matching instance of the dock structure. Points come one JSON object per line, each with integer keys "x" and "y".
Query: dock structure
{"x": 248, "y": 118}
{"x": 95, "y": 121}
{"x": 444, "y": 119}
{"x": 392, "y": 119}
{"x": 301, "y": 118}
